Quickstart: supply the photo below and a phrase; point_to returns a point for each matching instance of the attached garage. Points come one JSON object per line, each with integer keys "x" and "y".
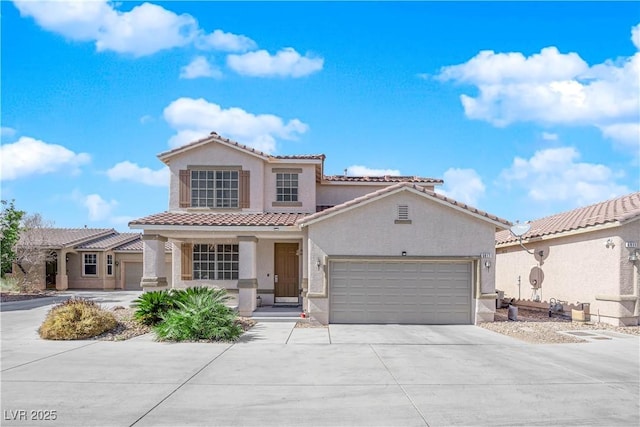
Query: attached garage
{"x": 132, "y": 276}
{"x": 398, "y": 291}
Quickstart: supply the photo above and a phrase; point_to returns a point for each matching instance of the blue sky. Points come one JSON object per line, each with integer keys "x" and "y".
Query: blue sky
{"x": 524, "y": 109}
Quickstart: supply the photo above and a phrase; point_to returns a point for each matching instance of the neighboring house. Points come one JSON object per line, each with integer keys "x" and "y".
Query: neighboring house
{"x": 587, "y": 255}
{"x": 81, "y": 258}
{"x": 349, "y": 249}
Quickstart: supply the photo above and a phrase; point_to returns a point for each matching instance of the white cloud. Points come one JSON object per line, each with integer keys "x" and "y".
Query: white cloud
{"x": 29, "y": 156}
{"x": 555, "y": 174}
{"x": 548, "y": 136}
{"x": 635, "y": 36}
{"x": 358, "y": 170}
{"x": 199, "y": 67}
{"x": 146, "y": 119}
{"x": 464, "y": 185}
{"x": 196, "y": 118}
{"x": 128, "y": 171}
{"x": 7, "y": 132}
{"x": 624, "y": 133}
{"x": 549, "y": 88}
{"x": 226, "y": 42}
{"x": 287, "y": 62}
{"x": 144, "y": 30}
{"x": 99, "y": 209}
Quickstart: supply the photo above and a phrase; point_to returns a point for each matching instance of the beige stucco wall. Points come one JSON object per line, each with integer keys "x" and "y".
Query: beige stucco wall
{"x": 576, "y": 269}
{"x": 217, "y": 155}
{"x": 436, "y": 231}
{"x": 306, "y": 188}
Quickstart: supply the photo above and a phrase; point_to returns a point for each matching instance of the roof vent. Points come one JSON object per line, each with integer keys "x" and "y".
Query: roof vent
{"x": 403, "y": 212}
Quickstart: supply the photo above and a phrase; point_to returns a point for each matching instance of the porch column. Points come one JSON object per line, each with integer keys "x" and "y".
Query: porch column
{"x": 62, "y": 279}
{"x": 247, "y": 275}
{"x": 153, "y": 275}
{"x": 305, "y": 267}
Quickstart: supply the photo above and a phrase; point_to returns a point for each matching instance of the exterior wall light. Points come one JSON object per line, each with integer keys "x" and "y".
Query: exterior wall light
{"x": 318, "y": 263}
{"x": 609, "y": 244}
{"x": 633, "y": 251}
{"x": 487, "y": 264}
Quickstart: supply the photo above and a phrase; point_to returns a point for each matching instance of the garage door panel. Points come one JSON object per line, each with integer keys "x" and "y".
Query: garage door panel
{"x": 400, "y": 292}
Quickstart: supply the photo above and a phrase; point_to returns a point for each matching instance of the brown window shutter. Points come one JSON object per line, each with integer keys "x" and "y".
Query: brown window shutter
{"x": 186, "y": 264}
{"x": 245, "y": 185}
{"x": 185, "y": 188}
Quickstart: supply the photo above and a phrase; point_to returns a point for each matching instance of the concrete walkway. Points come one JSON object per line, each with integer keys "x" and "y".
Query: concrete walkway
{"x": 279, "y": 375}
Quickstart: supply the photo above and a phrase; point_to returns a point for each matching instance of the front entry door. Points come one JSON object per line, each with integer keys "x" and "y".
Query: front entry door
{"x": 286, "y": 272}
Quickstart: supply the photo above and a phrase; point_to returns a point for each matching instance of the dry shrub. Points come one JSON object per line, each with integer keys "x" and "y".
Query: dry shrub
{"x": 76, "y": 319}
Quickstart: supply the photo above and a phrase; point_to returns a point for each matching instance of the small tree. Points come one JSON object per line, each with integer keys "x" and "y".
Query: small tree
{"x": 32, "y": 252}
{"x": 9, "y": 234}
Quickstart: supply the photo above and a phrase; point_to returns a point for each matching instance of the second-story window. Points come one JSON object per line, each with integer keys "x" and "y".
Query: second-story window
{"x": 287, "y": 187}
{"x": 214, "y": 189}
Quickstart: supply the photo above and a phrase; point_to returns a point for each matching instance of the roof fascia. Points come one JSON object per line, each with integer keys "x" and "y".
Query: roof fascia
{"x": 216, "y": 228}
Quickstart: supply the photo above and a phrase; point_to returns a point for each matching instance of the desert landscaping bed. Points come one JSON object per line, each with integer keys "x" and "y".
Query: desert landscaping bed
{"x": 537, "y": 327}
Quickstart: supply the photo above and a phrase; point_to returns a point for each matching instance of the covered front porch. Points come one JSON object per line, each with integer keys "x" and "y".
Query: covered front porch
{"x": 265, "y": 268}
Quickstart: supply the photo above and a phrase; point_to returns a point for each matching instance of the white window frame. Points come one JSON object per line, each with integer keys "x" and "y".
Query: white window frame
{"x": 215, "y": 261}
{"x": 86, "y": 264}
{"x": 215, "y": 188}
{"x": 287, "y": 187}
{"x": 109, "y": 265}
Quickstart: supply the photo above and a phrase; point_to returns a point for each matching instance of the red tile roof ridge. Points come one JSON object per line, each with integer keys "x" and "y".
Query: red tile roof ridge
{"x": 618, "y": 209}
{"x": 382, "y": 178}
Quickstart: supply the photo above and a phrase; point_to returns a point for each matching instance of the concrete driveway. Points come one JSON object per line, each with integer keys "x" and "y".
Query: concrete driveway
{"x": 342, "y": 375}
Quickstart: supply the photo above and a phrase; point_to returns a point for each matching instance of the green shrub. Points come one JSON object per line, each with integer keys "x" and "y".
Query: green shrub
{"x": 199, "y": 315}
{"x": 151, "y": 306}
{"x": 76, "y": 319}
{"x": 182, "y": 295}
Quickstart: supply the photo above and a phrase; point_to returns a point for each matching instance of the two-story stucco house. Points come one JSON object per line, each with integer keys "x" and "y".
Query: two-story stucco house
{"x": 348, "y": 249}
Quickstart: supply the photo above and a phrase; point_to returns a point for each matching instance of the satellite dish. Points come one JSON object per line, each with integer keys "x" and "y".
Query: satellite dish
{"x": 519, "y": 230}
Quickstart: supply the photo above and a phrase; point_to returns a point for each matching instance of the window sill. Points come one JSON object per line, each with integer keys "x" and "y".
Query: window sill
{"x": 286, "y": 204}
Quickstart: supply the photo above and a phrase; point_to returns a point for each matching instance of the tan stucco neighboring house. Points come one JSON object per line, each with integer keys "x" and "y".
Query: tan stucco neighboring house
{"x": 586, "y": 255}
{"x": 346, "y": 249}
{"x": 83, "y": 258}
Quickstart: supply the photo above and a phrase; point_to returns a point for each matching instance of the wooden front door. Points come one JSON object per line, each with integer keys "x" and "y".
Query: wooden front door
{"x": 286, "y": 272}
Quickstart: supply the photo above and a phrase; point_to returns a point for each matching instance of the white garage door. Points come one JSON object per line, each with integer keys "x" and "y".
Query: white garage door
{"x": 132, "y": 276}
{"x": 410, "y": 292}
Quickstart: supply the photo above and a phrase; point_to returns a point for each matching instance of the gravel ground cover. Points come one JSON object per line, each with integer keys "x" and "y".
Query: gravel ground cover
{"x": 537, "y": 327}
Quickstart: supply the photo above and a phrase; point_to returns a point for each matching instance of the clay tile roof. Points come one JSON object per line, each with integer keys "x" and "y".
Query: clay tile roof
{"x": 219, "y": 219}
{"x": 213, "y": 136}
{"x": 382, "y": 179}
{"x": 63, "y": 237}
{"x": 302, "y": 157}
{"x": 392, "y": 188}
{"x": 621, "y": 209}
{"x": 109, "y": 242}
{"x": 136, "y": 246}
